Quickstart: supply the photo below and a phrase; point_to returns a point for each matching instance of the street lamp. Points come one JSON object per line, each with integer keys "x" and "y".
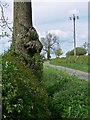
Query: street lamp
{"x": 74, "y": 17}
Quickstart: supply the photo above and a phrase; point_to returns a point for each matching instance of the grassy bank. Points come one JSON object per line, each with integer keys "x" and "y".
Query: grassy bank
{"x": 74, "y": 62}
{"x": 68, "y": 95}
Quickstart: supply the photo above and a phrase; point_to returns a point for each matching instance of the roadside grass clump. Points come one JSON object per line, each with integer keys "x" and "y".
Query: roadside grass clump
{"x": 74, "y": 62}
{"x": 68, "y": 95}
{"x": 24, "y": 97}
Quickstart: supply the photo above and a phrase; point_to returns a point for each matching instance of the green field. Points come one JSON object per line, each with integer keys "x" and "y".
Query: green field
{"x": 75, "y": 62}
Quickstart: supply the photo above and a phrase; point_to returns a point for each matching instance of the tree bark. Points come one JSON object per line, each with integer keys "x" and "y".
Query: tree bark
{"x": 22, "y": 21}
{"x": 25, "y": 38}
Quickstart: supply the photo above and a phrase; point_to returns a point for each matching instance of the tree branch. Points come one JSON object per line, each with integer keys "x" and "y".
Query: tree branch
{"x": 4, "y": 21}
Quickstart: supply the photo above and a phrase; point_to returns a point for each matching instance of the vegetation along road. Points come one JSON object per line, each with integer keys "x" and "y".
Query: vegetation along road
{"x": 78, "y": 73}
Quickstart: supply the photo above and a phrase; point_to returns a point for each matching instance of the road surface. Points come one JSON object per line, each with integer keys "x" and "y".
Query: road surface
{"x": 78, "y": 73}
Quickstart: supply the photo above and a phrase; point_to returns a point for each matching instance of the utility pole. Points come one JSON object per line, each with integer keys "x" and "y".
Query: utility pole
{"x": 74, "y": 17}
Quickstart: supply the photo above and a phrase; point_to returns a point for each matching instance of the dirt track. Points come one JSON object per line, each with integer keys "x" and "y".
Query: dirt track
{"x": 78, "y": 73}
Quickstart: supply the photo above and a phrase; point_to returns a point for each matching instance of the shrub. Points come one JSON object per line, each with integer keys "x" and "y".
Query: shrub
{"x": 58, "y": 52}
{"x": 79, "y": 51}
{"x": 24, "y": 97}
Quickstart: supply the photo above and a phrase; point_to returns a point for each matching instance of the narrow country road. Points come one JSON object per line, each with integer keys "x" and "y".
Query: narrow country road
{"x": 78, "y": 73}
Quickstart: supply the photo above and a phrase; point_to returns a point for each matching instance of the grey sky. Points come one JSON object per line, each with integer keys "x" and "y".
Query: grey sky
{"x": 53, "y": 16}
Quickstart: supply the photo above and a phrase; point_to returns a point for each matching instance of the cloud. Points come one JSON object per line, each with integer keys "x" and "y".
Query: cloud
{"x": 4, "y": 47}
{"x": 48, "y": 12}
{"x": 53, "y": 16}
{"x": 66, "y": 38}
{"x": 5, "y": 44}
{"x": 74, "y": 11}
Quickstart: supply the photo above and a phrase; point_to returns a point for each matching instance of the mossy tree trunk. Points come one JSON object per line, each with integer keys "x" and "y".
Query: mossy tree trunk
{"x": 25, "y": 37}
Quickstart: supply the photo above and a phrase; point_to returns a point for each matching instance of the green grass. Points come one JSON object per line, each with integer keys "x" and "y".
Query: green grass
{"x": 68, "y": 95}
{"x": 79, "y": 63}
{"x": 75, "y": 66}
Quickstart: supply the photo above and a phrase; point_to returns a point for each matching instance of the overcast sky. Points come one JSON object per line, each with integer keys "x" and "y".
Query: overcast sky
{"x": 53, "y": 16}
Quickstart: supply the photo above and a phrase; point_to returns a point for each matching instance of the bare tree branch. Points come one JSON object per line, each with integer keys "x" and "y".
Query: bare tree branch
{"x": 4, "y": 21}
{"x": 49, "y": 42}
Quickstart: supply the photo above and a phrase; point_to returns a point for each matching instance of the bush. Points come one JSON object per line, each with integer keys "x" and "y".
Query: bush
{"x": 24, "y": 97}
{"x": 79, "y": 51}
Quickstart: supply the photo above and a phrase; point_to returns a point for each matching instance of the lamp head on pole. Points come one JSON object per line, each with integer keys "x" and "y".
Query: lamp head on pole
{"x": 70, "y": 18}
{"x": 77, "y": 17}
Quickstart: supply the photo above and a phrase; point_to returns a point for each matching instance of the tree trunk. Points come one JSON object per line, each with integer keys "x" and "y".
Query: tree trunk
{"x": 48, "y": 54}
{"x": 22, "y": 21}
{"x": 25, "y": 38}
{"x": 48, "y": 51}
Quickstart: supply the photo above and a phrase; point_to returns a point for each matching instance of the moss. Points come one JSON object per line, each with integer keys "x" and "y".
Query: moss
{"x": 37, "y": 65}
{"x": 35, "y": 62}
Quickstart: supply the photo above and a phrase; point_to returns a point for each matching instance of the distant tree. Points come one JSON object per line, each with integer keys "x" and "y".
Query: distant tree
{"x": 58, "y": 52}
{"x": 86, "y": 45}
{"x": 79, "y": 51}
{"x": 49, "y": 42}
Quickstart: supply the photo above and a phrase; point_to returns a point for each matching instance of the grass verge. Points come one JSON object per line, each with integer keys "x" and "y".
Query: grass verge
{"x": 81, "y": 67}
{"x": 68, "y": 95}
